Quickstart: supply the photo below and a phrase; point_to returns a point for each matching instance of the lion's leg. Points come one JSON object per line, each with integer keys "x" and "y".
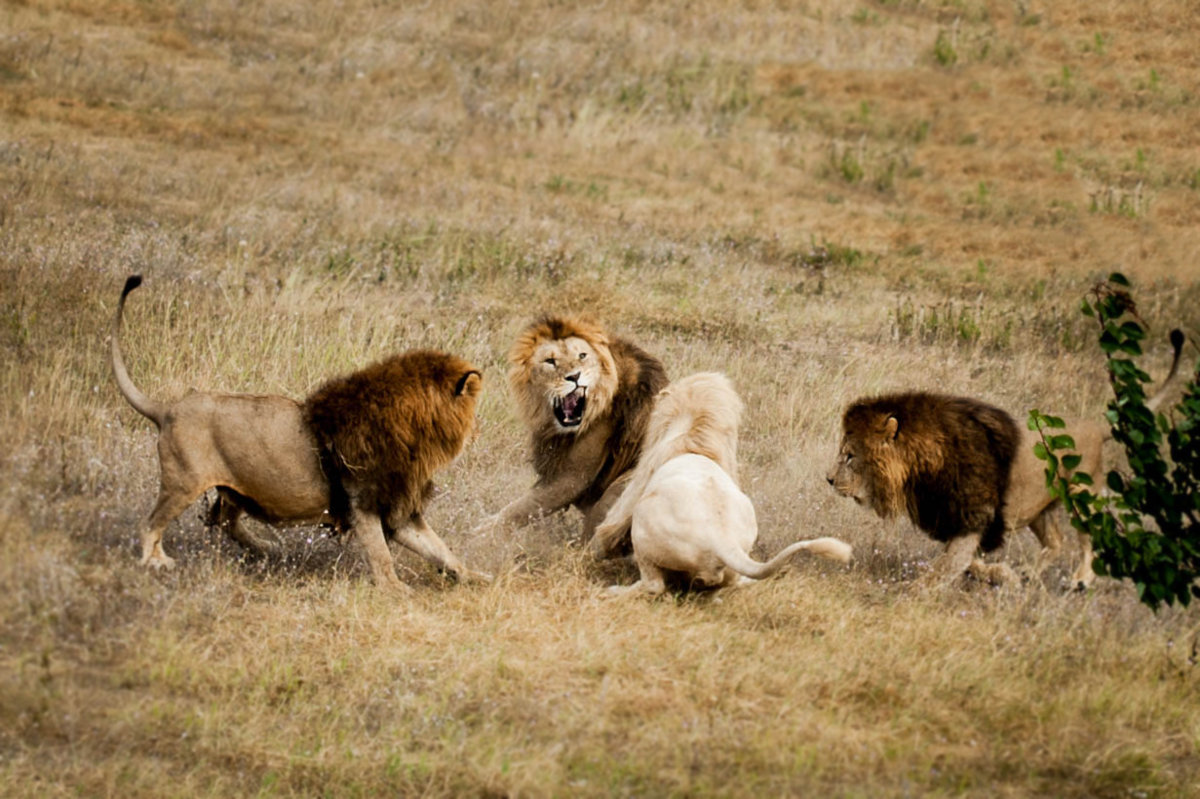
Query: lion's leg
{"x": 1084, "y": 574}
{"x": 653, "y": 579}
{"x": 953, "y": 561}
{"x": 414, "y": 533}
{"x": 605, "y": 543}
{"x": 225, "y": 515}
{"x": 993, "y": 573}
{"x": 1045, "y": 527}
{"x": 170, "y": 504}
{"x": 368, "y": 531}
{"x": 652, "y": 582}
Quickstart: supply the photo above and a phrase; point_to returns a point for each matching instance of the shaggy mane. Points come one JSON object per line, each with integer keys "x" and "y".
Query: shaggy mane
{"x": 632, "y": 377}
{"x": 948, "y": 465}
{"x": 385, "y": 430}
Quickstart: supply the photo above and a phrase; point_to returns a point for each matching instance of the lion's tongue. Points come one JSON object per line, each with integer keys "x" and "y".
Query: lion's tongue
{"x": 569, "y": 404}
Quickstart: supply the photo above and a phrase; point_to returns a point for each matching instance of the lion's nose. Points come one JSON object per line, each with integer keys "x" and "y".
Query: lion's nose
{"x": 573, "y": 377}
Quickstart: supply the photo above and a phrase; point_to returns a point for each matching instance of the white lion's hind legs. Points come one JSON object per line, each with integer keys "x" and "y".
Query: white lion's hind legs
{"x": 652, "y": 582}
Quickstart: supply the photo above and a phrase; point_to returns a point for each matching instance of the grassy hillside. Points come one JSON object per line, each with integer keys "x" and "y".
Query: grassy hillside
{"x": 823, "y": 200}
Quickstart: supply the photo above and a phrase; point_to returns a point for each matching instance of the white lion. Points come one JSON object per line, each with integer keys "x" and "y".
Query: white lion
{"x": 683, "y": 505}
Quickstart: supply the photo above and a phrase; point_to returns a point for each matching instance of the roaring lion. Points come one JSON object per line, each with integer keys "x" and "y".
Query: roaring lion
{"x": 585, "y": 397}
{"x": 682, "y": 507}
{"x": 963, "y": 472}
{"x": 381, "y": 433}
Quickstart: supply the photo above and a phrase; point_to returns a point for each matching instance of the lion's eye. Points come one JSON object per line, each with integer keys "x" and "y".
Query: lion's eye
{"x": 549, "y": 362}
{"x": 582, "y": 355}
{"x": 849, "y": 457}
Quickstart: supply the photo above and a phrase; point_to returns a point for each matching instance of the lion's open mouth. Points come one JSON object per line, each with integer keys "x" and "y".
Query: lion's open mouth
{"x": 568, "y": 409}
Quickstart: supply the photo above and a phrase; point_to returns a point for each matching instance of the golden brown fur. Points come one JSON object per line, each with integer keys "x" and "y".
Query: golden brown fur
{"x": 682, "y": 504}
{"x": 1028, "y": 503}
{"x": 585, "y": 397}
{"x": 263, "y": 457}
{"x": 384, "y": 431}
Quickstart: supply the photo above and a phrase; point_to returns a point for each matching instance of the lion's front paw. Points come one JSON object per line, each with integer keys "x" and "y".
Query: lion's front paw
{"x": 159, "y": 560}
{"x": 471, "y": 576}
{"x": 997, "y": 574}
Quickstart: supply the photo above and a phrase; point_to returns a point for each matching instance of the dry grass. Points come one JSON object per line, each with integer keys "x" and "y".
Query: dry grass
{"x": 822, "y": 200}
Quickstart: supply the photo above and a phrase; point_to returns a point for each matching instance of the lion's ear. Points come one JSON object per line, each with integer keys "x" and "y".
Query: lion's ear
{"x": 471, "y": 383}
{"x": 891, "y": 427}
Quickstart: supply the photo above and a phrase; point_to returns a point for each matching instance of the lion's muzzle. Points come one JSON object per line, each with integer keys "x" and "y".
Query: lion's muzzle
{"x": 569, "y": 408}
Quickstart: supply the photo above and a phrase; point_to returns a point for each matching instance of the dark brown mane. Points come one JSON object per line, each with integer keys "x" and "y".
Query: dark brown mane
{"x": 947, "y": 464}
{"x": 385, "y": 430}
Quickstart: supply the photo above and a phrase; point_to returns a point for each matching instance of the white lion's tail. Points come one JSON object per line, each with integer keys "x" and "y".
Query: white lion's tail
{"x": 740, "y": 562}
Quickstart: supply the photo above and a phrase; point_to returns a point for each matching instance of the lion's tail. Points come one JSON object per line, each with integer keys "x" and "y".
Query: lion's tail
{"x": 740, "y": 562}
{"x": 152, "y": 410}
{"x": 1160, "y": 395}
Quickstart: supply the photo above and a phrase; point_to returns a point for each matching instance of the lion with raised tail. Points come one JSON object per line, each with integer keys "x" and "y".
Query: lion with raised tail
{"x": 682, "y": 507}
{"x": 361, "y": 450}
{"x": 585, "y": 397}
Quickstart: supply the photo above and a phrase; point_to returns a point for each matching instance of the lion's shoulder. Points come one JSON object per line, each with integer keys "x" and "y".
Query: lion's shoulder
{"x": 640, "y": 377}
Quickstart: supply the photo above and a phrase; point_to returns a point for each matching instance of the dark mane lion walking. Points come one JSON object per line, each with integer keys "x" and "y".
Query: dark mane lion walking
{"x": 944, "y": 461}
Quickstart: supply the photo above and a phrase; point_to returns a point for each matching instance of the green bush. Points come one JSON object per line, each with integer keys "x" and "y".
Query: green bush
{"x": 1148, "y": 527}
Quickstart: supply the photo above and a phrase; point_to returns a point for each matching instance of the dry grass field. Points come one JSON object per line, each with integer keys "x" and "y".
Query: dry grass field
{"x": 822, "y": 199}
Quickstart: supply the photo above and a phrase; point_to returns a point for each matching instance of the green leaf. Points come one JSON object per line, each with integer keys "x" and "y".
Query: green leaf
{"x": 1062, "y": 442}
{"x": 1071, "y": 462}
{"x": 1039, "y": 451}
{"x": 1119, "y": 279}
{"x": 1133, "y": 330}
{"x": 1086, "y": 308}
